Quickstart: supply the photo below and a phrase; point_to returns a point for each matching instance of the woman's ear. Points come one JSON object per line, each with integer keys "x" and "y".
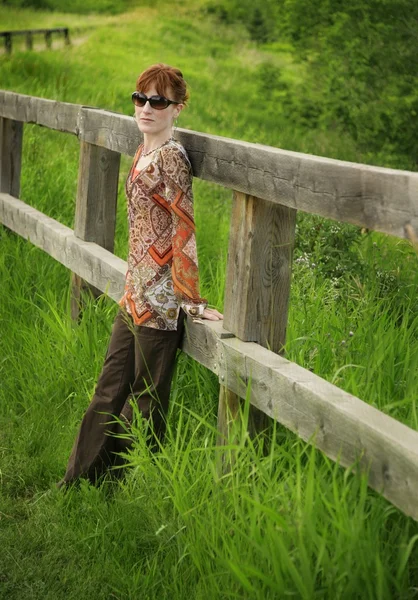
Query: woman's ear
{"x": 178, "y": 109}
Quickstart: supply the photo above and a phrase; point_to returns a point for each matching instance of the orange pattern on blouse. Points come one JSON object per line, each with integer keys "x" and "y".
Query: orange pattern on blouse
{"x": 162, "y": 274}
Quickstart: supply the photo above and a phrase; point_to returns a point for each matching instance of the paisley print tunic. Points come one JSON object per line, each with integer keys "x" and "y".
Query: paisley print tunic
{"x": 162, "y": 271}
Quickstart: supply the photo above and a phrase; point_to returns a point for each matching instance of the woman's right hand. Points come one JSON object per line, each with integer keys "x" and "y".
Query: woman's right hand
{"x": 211, "y": 314}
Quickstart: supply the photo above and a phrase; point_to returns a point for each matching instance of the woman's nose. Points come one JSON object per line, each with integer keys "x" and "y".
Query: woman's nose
{"x": 147, "y": 107}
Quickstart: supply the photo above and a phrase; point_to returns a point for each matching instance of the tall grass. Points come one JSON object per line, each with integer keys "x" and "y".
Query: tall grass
{"x": 289, "y": 523}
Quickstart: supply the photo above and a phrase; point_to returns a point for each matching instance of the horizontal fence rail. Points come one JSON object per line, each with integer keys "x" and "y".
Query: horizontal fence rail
{"x": 29, "y": 33}
{"x": 269, "y": 184}
{"x": 377, "y": 198}
{"x": 93, "y": 263}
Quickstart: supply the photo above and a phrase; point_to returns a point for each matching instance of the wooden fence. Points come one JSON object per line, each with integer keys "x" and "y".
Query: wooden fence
{"x": 29, "y": 33}
{"x": 269, "y": 185}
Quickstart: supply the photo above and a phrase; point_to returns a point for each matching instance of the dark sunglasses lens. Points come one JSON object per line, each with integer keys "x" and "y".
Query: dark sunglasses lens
{"x": 158, "y": 102}
{"x": 139, "y": 99}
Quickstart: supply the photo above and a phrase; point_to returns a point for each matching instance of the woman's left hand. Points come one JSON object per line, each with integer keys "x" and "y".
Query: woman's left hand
{"x": 212, "y": 314}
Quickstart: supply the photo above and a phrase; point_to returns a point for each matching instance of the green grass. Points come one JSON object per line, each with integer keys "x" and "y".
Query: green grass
{"x": 15, "y": 18}
{"x": 287, "y": 524}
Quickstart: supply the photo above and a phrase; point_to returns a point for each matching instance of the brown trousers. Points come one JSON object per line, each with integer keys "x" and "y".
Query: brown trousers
{"x": 139, "y": 366}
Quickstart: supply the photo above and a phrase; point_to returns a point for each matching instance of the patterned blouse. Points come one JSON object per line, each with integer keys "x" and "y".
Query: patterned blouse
{"x": 162, "y": 271}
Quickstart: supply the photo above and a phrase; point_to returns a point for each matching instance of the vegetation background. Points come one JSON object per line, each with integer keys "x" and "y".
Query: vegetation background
{"x": 321, "y": 77}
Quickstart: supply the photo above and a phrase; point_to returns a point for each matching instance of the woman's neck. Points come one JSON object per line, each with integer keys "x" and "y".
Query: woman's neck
{"x": 152, "y": 142}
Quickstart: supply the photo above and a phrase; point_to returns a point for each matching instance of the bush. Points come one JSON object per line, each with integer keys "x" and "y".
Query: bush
{"x": 75, "y": 6}
{"x": 361, "y": 67}
{"x": 328, "y": 247}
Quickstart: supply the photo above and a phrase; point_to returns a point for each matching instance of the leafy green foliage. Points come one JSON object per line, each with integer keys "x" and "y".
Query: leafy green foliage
{"x": 361, "y": 67}
{"x": 328, "y": 246}
{"x": 74, "y": 6}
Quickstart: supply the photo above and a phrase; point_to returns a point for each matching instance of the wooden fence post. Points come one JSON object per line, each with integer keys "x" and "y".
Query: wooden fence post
{"x": 48, "y": 39}
{"x": 67, "y": 36}
{"x": 95, "y": 213}
{"x": 261, "y": 242}
{"x": 11, "y": 139}
{"x": 228, "y": 412}
{"x": 29, "y": 41}
{"x": 8, "y": 42}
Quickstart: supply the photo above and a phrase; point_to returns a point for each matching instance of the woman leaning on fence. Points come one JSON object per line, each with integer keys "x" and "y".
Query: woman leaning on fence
{"x": 161, "y": 283}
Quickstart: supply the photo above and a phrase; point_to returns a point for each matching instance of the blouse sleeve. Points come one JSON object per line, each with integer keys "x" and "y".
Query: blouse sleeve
{"x": 177, "y": 176}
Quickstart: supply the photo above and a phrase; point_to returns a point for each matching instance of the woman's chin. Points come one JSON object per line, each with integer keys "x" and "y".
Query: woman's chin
{"x": 146, "y": 128}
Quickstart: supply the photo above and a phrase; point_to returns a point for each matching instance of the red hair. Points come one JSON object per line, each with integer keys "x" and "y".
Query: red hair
{"x": 167, "y": 81}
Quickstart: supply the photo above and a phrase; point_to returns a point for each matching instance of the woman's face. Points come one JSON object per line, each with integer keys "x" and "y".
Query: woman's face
{"x": 155, "y": 122}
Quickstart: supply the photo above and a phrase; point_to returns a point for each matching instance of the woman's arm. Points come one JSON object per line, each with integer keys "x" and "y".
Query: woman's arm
{"x": 177, "y": 176}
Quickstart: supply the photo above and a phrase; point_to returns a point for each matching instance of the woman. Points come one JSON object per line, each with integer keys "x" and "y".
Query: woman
{"x": 161, "y": 282}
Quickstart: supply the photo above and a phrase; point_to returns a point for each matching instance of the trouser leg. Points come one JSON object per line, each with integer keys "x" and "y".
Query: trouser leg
{"x": 155, "y": 356}
{"x": 139, "y": 365}
{"x": 93, "y": 446}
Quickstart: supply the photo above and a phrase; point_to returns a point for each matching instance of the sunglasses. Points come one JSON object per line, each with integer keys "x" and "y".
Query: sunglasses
{"x": 157, "y": 102}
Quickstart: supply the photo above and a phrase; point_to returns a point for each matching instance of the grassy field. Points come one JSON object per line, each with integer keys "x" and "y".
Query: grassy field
{"x": 288, "y": 524}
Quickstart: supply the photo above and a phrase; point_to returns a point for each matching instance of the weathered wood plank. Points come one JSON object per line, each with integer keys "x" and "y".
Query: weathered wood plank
{"x": 340, "y": 424}
{"x": 94, "y": 264}
{"x": 95, "y": 213}
{"x": 98, "y": 177}
{"x": 111, "y": 130}
{"x": 261, "y": 241}
{"x": 11, "y": 139}
{"x": 61, "y": 116}
{"x": 228, "y": 411}
{"x": 374, "y": 197}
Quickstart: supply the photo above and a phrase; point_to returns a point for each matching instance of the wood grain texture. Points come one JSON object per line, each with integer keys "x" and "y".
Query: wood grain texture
{"x": 95, "y": 213}
{"x": 203, "y": 342}
{"x": 11, "y": 139}
{"x": 94, "y": 264}
{"x": 228, "y": 411}
{"x": 373, "y": 197}
{"x": 61, "y": 116}
{"x": 341, "y": 425}
{"x": 97, "y": 192}
{"x": 261, "y": 242}
{"x": 110, "y": 130}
